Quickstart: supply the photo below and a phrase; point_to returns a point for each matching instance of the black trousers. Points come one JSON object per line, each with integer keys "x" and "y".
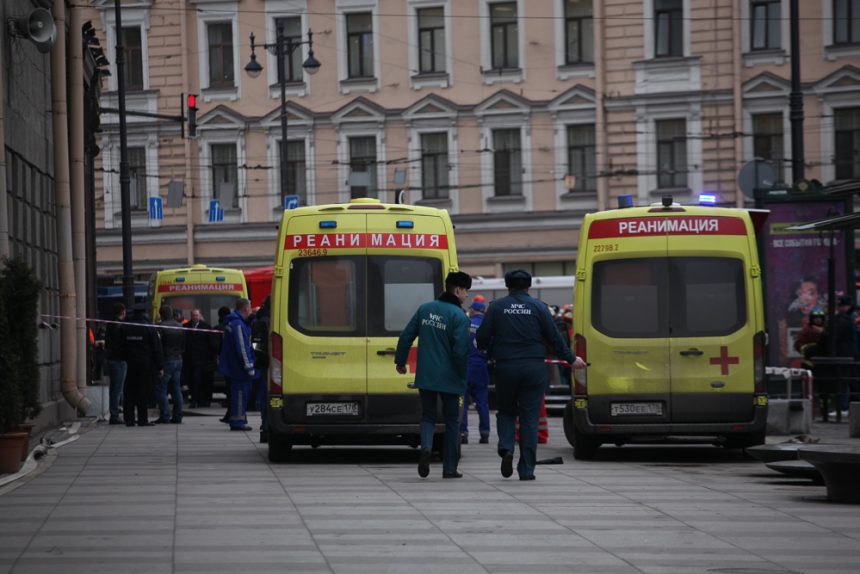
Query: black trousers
{"x": 139, "y": 386}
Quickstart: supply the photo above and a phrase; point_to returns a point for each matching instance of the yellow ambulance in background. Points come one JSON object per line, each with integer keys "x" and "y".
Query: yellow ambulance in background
{"x": 197, "y": 287}
{"x": 670, "y": 318}
{"x": 347, "y": 279}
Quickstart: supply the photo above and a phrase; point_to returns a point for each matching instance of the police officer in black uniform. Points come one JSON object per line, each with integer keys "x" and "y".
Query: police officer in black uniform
{"x": 515, "y": 332}
{"x": 142, "y": 351}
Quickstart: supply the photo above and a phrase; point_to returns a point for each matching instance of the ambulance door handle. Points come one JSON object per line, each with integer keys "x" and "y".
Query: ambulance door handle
{"x": 692, "y": 353}
{"x": 384, "y": 352}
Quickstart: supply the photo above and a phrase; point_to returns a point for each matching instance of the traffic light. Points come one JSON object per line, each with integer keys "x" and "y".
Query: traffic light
{"x": 192, "y": 115}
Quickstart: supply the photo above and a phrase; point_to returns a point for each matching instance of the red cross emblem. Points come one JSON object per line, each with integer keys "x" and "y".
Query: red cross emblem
{"x": 724, "y": 360}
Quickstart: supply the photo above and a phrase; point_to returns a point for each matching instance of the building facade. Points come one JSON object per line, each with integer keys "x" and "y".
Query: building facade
{"x": 517, "y": 117}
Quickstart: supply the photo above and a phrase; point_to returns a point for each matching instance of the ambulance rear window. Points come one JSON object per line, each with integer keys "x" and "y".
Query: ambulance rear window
{"x": 326, "y": 295}
{"x": 669, "y": 297}
{"x": 397, "y": 286}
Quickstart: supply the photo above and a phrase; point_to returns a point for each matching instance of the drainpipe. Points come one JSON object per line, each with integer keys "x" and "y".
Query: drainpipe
{"x": 4, "y": 213}
{"x": 76, "y": 150}
{"x": 188, "y": 142}
{"x": 600, "y": 135}
{"x": 62, "y": 192}
{"x": 737, "y": 68}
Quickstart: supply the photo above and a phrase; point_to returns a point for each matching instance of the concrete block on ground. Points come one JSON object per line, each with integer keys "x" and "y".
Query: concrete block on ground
{"x": 854, "y": 420}
{"x": 800, "y": 416}
{"x": 777, "y": 417}
{"x": 99, "y": 397}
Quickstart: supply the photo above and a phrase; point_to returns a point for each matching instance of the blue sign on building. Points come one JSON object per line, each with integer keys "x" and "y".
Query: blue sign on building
{"x": 156, "y": 211}
{"x": 291, "y": 201}
{"x": 216, "y": 214}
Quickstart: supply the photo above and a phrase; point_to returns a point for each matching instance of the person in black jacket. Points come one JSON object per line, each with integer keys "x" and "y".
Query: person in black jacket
{"x": 173, "y": 346}
{"x": 260, "y": 343}
{"x": 199, "y": 359}
{"x": 116, "y": 364}
{"x": 142, "y": 350}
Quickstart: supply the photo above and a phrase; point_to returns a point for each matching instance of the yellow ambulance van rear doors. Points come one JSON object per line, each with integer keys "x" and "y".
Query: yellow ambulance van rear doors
{"x": 407, "y": 260}
{"x": 627, "y": 343}
{"x": 711, "y": 318}
{"x": 325, "y": 355}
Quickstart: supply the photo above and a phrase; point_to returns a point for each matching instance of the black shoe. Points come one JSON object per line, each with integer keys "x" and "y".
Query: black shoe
{"x": 507, "y": 463}
{"x": 485, "y": 439}
{"x": 452, "y": 475}
{"x": 224, "y": 419}
{"x": 129, "y": 424}
{"x": 161, "y": 421}
{"x": 424, "y": 463}
{"x": 146, "y": 424}
{"x": 464, "y": 439}
{"x": 244, "y": 428}
{"x": 176, "y": 422}
{"x": 532, "y": 477}
{"x": 114, "y": 421}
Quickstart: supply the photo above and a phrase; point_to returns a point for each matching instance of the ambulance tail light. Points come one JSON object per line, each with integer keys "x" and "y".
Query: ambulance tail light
{"x": 758, "y": 363}
{"x": 580, "y": 376}
{"x": 276, "y": 365}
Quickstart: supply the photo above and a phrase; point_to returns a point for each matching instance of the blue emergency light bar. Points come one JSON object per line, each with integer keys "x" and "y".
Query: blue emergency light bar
{"x": 180, "y": 279}
{"x": 405, "y": 225}
{"x": 625, "y": 201}
{"x": 707, "y": 199}
{"x": 219, "y": 278}
{"x": 328, "y": 224}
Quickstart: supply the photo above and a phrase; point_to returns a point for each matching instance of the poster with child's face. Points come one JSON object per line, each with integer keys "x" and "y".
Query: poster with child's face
{"x": 796, "y": 272}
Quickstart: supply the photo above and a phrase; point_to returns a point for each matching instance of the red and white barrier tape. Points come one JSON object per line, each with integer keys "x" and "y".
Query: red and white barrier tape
{"x": 150, "y": 325}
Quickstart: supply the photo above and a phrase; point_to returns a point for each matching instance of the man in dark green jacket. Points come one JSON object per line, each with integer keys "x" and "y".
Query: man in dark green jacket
{"x": 443, "y": 330}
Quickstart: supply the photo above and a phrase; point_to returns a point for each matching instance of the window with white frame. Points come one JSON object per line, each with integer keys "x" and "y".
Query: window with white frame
{"x": 220, "y": 46}
{"x": 765, "y": 24}
{"x": 431, "y": 40}
{"x": 132, "y": 43}
{"x": 291, "y": 29}
{"x": 359, "y": 38}
{"x": 578, "y": 32}
{"x": 507, "y": 162}
{"x": 846, "y": 22}
{"x": 434, "y": 165}
{"x": 225, "y": 174}
{"x": 504, "y": 36}
{"x": 138, "y": 196}
{"x": 581, "y": 156}
{"x": 296, "y": 170}
{"x": 671, "y": 153}
{"x": 846, "y": 127}
{"x": 768, "y": 140}
{"x": 362, "y": 165}
{"x": 668, "y": 28}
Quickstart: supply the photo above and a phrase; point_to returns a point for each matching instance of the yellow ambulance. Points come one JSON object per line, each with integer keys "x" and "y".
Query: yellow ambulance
{"x": 197, "y": 287}
{"x": 347, "y": 279}
{"x": 670, "y": 319}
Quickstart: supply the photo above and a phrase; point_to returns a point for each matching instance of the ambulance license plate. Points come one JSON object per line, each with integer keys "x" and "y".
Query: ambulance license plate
{"x": 331, "y": 409}
{"x": 622, "y": 409}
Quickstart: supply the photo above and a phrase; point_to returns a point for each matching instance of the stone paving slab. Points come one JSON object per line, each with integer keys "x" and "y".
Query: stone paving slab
{"x": 198, "y": 498}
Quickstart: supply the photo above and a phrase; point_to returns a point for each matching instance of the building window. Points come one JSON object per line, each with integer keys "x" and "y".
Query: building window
{"x": 507, "y": 162}
{"x": 133, "y": 72}
{"x": 431, "y": 40}
{"x": 225, "y": 174}
{"x": 846, "y": 21}
{"x": 296, "y": 176}
{"x": 579, "y": 32}
{"x": 137, "y": 174}
{"x": 359, "y": 33}
{"x": 220, "y": 36}
{"x": 291, "y": 28}
{"x": 434, "y": 166}
{"x": 671, "y": 154}
{"x": 669, "y": 33}
{"x": 362, "y": 165}
{"x": 847, "y": 127}
{"x": 581, "y": 157}
{"x": 765, "y": 24}
{"x": 767, "y": 140}
{"x": 504, "y": 32}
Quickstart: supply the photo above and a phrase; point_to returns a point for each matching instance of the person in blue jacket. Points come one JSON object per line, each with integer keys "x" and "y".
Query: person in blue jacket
{"x": 443, "y": 330}
{"x": 516, "y": 331}
{"x": 237, "y": 362}
{"x": 478, "y": 379}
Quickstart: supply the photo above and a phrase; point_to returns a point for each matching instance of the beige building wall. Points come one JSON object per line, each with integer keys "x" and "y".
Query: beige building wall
{"x": 715, "y": 82}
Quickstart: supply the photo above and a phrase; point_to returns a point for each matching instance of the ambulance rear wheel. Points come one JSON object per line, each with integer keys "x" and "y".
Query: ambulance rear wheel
{"x": 279, "y": 448}
{"x": 584, "y": 446}
{"x": 745, "y": 440}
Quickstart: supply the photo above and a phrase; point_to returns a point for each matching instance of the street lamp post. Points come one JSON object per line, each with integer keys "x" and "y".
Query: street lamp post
{"x": 283, "y": 48}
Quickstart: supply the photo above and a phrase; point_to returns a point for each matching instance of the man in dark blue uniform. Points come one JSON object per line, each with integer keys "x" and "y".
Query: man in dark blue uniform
{"x": 478, "y": 379}
{"x": 516, "y": 331}
{"x": 141, "y": 348}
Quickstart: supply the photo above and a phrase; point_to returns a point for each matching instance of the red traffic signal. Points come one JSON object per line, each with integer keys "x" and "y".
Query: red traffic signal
{"x": 192, "y": 115}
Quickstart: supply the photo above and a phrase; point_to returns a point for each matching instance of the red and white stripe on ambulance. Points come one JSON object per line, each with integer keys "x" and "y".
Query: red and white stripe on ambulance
{"x": 366, "y": 241}
{"x": 667, "y": 225}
